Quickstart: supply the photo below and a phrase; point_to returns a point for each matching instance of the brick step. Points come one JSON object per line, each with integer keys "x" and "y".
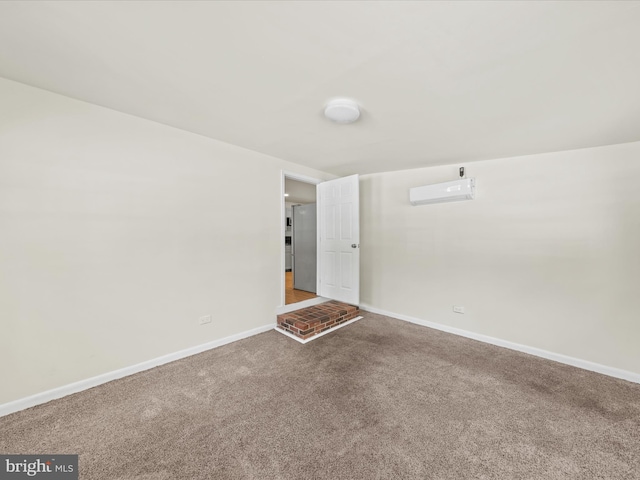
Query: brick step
{"x": 310, "y": 321}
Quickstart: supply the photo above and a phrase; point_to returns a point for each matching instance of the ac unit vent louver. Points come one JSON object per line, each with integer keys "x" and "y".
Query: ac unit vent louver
{"x": 463, "y": 189}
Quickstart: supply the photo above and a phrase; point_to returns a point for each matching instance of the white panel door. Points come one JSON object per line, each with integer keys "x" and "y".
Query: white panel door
{"x": 339, "y": 242}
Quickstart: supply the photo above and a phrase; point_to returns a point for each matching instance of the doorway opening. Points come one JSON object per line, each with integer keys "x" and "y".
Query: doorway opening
{"x": 337, "y": 254}
{"x": 300, "y": 240}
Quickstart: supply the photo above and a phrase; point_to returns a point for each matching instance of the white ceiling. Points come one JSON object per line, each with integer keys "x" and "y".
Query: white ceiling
{"x": 439, "y": 82}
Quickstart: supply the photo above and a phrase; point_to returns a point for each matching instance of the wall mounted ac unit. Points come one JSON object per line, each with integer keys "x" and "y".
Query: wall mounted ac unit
{"x": 463, "y": 189}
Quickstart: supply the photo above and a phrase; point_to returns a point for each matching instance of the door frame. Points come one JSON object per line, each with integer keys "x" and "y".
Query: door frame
{"x": 284, "y": 308}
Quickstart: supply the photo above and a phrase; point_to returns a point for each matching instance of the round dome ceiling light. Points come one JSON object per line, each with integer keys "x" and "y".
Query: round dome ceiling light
{"x": 342, "y": 110}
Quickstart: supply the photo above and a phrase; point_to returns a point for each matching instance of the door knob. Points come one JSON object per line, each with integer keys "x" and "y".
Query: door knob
{"x": 353, "y": 245}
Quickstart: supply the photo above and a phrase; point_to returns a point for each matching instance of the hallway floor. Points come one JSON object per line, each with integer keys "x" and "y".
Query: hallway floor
{"x": 291, "y": 294}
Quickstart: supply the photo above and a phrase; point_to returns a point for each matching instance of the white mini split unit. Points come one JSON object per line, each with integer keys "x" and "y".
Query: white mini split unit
{"x": 463, "y": 189}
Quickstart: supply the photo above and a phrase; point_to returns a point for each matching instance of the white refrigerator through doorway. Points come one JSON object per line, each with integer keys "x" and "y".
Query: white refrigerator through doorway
{"x": 304, "y": 242}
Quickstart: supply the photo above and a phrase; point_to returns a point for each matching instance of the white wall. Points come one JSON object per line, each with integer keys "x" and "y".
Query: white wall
{"x": 117, "y": 234}
{"x": 548, "y": 255}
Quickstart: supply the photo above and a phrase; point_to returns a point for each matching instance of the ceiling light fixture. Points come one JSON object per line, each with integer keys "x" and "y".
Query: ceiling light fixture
{"x": 342, "y": 110}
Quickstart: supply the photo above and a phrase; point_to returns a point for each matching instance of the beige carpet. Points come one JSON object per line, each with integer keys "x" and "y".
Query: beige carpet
{"x": 378, "y": 399}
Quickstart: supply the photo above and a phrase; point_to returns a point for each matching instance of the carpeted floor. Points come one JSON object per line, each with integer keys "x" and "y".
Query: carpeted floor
{"x": 378, "y": 399}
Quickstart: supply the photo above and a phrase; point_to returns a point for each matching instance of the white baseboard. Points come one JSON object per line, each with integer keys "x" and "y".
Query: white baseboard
{"x": 307, "y": 340}
{"x": 59, "y": 392}
{"x": 538, "y": 352}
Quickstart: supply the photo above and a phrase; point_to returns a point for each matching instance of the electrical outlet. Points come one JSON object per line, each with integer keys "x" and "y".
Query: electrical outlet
{"x": 458, "y": 309}
{"x": 204, "y": 320}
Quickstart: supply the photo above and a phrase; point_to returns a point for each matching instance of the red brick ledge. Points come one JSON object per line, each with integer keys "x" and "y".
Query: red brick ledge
{"x": 331, "y": 330}
{"x": 309, "y": 322}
